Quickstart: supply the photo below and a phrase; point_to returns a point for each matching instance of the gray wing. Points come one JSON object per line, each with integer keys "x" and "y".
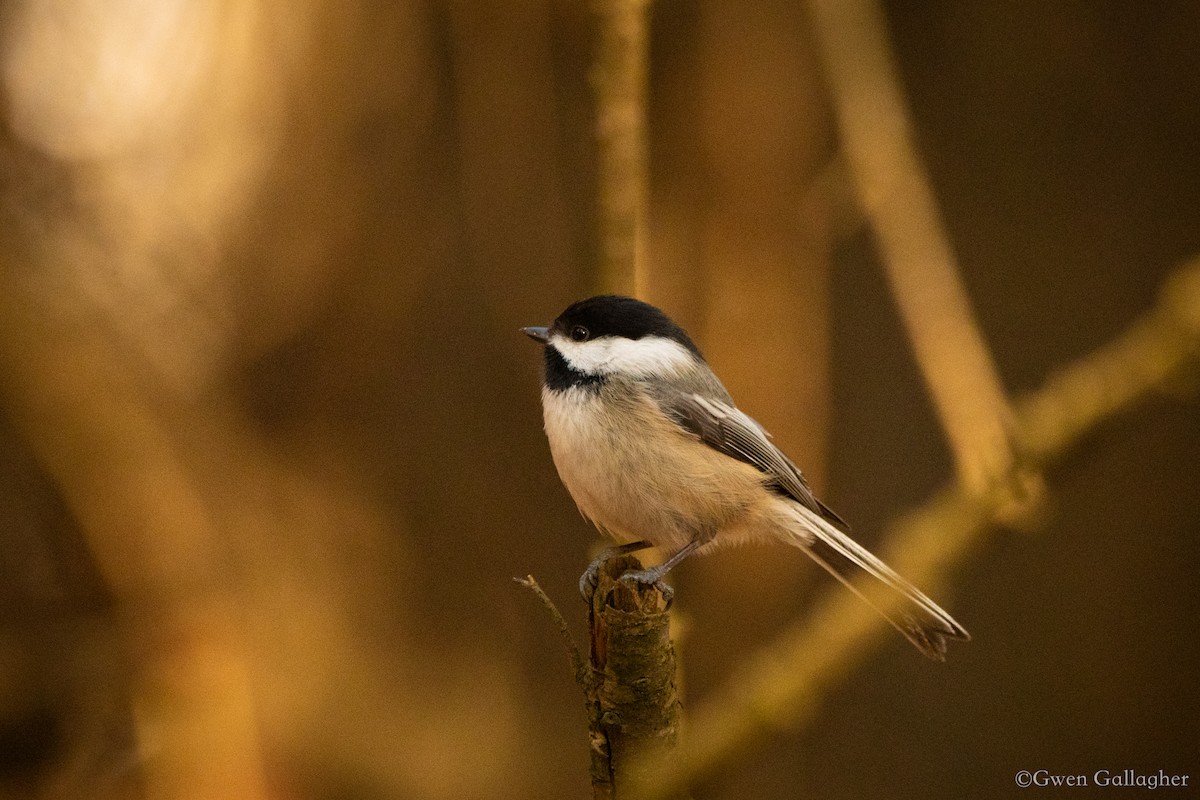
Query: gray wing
{"x": 725, "y": 428}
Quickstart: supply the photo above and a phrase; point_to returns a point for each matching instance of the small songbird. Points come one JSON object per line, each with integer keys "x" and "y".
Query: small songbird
{"x": 655, "y": 453}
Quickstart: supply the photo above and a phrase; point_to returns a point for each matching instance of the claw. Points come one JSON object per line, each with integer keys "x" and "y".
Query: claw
{"x": 651, "y": 577}
{"x": 589, "y": 580}
{"x": 591, "y": 576}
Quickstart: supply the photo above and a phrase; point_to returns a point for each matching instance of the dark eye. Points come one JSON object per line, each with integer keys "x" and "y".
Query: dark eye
{"x": 579, "y": 334}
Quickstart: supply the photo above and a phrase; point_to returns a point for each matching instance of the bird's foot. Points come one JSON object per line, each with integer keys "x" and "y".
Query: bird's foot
{"x": 591, "y": 576}
{"x": 651, "y": 577}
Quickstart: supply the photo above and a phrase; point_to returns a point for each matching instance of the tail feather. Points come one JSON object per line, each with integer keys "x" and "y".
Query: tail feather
{"x": 922, "y": 621}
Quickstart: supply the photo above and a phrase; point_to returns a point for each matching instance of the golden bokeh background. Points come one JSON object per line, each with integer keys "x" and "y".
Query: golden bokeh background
{"x": 270, "y": 446}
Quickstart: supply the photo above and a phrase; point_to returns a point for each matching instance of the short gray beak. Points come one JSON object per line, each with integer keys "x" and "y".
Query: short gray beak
{"x": 537, "y": 334}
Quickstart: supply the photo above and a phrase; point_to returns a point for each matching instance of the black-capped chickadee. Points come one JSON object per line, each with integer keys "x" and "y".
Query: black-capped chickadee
{"x": 654, "y": 452}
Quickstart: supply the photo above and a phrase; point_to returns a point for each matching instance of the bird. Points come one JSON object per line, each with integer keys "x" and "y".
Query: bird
{"x": 651, "y": 447}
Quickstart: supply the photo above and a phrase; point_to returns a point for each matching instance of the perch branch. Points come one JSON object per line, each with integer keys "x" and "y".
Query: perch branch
{"x": 633, "y": 705}
{"x": 898, "y": 200}
{"x": 619, "y": 83}
{"x": 782, "y": 685}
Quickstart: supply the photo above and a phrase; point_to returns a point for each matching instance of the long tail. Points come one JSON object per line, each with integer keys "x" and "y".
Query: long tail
{"x": 922, "y": 621}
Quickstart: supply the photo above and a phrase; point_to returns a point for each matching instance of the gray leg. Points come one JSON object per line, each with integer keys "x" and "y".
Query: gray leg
{"x": 654, "y": 575}
{"x": 587, "y": 581}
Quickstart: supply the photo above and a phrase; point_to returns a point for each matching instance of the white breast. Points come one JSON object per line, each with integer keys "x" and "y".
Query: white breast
{"x": 637, "y": 475}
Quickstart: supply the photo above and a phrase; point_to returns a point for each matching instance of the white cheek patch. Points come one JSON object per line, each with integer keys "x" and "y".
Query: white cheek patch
{"x": 637, "y": 358}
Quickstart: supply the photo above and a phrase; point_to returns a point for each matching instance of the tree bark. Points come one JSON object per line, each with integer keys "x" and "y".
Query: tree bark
{"x": 633, "y": 702}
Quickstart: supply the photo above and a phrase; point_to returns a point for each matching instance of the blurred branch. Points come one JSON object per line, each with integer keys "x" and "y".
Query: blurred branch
{"x": 80, "y": 401}
{"x": 619, "y": 81}
{"x": 897, "y": 198}
{"x": 782, "y": 685}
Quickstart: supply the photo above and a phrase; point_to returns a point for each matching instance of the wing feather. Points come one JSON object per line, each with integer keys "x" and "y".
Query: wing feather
{"x": 725, "y": 428}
